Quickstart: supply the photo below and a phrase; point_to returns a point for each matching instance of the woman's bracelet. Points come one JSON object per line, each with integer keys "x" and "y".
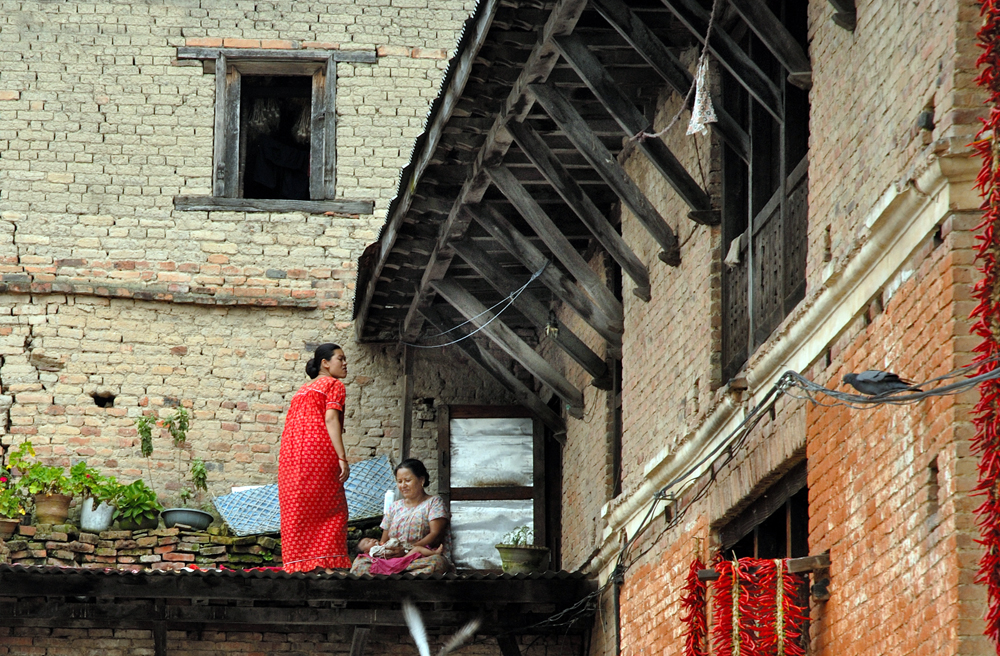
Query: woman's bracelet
{"x": 345, "y": 460}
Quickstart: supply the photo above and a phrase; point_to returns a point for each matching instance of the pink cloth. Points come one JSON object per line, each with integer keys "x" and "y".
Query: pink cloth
{"x": 392, "y": 565}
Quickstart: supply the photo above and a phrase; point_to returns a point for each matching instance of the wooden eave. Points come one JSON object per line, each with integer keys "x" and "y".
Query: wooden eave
{"x": 520, "y": 161}
{"x": 270, "y": 601}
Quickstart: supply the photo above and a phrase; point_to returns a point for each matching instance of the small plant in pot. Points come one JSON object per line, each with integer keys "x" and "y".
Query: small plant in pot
{"x": 12, "y": 506}
{"x": 518, "y": 553}
{"x": 98, "y": 493}
{"x": 198, "y": 519}
{"x": 48, "y": 484}
{"x": 136, "y": 506}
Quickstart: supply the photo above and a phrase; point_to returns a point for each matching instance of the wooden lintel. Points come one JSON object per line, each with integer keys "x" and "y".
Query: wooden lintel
{"x": 277, "y": 54}
{"x": 778, "y": 40}
{"x": 491, "y": 493}
{"x": 642, "y": 39}
{"x": 359, "y": 640}
{"x": 219, "y": 204}
{"x": 608, "y": 93}
{"x": 695, "y": 18}
{"x": 570, "y": 191}
{"x": 543, "y": 58}
{"x": 590, "y": 146}
{"x": 532, "y": 308}
{"x": 533, "y": 259}
{"x": 501, "y": 335}
{"x": 555, "y": 240}
{"x": 503, "y": 375}
{"x": 707, "y": 217}
{"x": 795, "y": 566}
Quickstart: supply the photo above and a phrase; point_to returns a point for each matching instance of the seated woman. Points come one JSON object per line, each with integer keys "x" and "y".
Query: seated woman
{"x": 416, "y": 520}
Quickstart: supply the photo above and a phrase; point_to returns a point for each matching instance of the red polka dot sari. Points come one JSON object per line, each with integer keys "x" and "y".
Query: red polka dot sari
{"x": 313, "y": 504}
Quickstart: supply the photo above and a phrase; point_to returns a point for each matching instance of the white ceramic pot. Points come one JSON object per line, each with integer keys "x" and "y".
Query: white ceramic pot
{"x": 96, "y": 519}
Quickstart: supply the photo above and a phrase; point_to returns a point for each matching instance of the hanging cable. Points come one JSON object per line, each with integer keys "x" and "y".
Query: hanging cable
{"x": 506, "y": 302}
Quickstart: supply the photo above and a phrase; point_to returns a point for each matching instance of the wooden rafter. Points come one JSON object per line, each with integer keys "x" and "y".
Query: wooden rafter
{"x": 845, "y": 14}
{"x": 695, "y": 18}
{"x": 451, "y": 95}
{"x": 538, "y": 66}
{"x": 638, "y": 35}
{"x": 557, "y": 243}
{"x": 504, "y": 376}
{"x": 778, "y": 40}
{"x": 566, "y": 186}
{"x": 562, "y": 112}
{"x": 529, "y": 305}
{"x": 614, "y": 100}
{"x": 501, "y": 335}
{"x": 534, "y": 260}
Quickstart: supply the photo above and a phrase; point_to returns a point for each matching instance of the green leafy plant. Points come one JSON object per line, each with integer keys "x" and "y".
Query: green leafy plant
{"x": 88, "y": 482}
{"x": 144, "y": 425}
{"x": 11, "y": 497}
{"x": 522, "y": 536}
{"x": 177, "y": 425}
{"x": 136, "y": 502}
{"x": 198, "y": 475}
{"x": 37, "y": 478}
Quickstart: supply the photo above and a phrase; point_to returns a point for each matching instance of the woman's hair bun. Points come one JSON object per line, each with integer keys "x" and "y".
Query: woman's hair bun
{"x": 323, "y": 352}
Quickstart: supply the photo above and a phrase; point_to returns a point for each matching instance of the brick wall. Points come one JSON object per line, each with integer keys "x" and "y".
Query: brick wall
{"x": 108, "y": 289}
{"x": 128, "y": 642}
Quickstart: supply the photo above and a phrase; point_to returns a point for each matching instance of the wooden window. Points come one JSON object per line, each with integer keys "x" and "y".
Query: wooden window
{"x": 776, "y": 525}
{"x": 492, "y": 472}
{"x": 275, "y": 130}
{"x": 764, "y": 200}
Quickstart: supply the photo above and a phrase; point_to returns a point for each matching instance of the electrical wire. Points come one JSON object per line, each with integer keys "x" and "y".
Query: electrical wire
{"x": 506, "y": 302}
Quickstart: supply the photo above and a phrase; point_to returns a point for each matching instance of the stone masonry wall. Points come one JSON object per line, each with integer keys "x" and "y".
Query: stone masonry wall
{"x": 107, "y": 289}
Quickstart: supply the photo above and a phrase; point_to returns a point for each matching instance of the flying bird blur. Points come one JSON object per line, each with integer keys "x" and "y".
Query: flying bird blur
{"x": 879, "y": 383}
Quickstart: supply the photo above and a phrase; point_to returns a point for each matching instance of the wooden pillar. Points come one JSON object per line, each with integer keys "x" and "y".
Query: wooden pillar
{"x": 407, "y": 404}
{"x": 360, "y": 640}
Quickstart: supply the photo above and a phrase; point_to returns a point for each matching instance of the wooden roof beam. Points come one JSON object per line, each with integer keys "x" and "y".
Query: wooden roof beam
{"x": 845, "y": 14}
{"x": 778, "y": 40}
{"x": 695, "y": 18}
{"x": 642, "y": 39}
{"x": 572, "y": 193}
{"x": 563, "y": 113}
{"x": 534, "y": 310}
{"x": 603, "y": 86}
{"x": 504, "y": 376}
{"x": 556, "y": 242}
{"x": 503, "y": 336}
{"x": 533, "y": 259}
{"x": 539, "y": 64}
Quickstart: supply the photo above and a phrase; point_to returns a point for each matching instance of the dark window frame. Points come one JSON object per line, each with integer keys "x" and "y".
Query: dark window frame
{"x": 764, "y": 203}
{"x": 784, "y": 504}
{"x": 229, "y": 65}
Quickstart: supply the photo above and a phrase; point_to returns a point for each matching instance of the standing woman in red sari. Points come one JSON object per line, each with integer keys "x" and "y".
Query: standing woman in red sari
{"x": 312, "y": 468}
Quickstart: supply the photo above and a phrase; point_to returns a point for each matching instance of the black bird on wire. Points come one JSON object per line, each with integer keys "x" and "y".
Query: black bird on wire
{"x": 879, "y": 383}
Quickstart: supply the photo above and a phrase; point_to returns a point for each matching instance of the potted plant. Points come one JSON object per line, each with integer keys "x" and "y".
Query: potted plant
{"x": 11, "y": 505}
{"x": 192, "y": 517}
{"x": 519, "y": 554}
{"x": 98, "y": 494}
{"x": 48, "y": 484}
{"x": 136, "y": 506}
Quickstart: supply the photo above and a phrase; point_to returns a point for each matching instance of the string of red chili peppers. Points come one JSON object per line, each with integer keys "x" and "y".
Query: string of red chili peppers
{"x": 987, "y": 313}
{"x": 694, "y": 616}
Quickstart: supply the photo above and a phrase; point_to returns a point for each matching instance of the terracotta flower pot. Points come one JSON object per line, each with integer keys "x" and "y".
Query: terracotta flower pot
{"x": 52, "y": 508}
{"x": 7, "y": 527}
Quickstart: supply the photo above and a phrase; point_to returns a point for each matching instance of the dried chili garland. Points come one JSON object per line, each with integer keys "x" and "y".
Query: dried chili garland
{"x": 694, "y": 618}
{"x": 986, "y": 442}
{"x": 756, "y": 609}
{"x": 733, "y": 610}
{"x": 780, "y": 618}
